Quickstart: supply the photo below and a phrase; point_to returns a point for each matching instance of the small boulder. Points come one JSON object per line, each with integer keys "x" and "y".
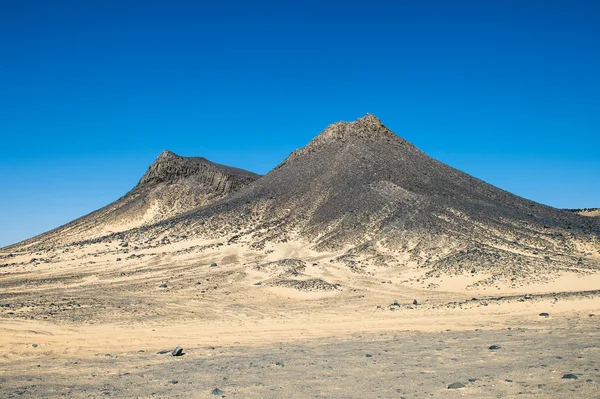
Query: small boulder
{"x": 177, "y": 351}
{"x": 216, "y": 392}
{"x": 456, "y": 385}
{"x": 415, "y": 302}
{"x": 544, "y": 314}
{"x": 213, "y": 265}
{"x": 569, "y": 377}
{"x": 494, "y": 348}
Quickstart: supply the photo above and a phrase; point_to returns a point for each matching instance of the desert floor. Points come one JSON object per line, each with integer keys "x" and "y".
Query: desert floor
{"x": 76, "y": 322}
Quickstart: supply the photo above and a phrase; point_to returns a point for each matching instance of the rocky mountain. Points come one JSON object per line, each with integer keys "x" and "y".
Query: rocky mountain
{"x": 356, "y": 187}
{"x": 172, "y": 186}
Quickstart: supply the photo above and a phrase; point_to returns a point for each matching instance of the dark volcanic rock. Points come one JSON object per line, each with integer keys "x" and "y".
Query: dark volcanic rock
{"x": 569, "y": 377}
{"x": 217, "y": 392}
{"x": 177, "y": 351}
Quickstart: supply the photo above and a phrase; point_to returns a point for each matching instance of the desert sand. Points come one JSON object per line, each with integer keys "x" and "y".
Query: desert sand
{"x": 97, "y": 325}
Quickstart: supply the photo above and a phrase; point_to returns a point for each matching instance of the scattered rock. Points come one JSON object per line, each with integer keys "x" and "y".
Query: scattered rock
{"x": 456, "y": 385}
{"x": 528, "y": 296}
{"x": 217, "y": 392}
{"x": 494, "y": 348}
{"x": 569, "y": 377}
{"x": 163, "y": 352}
{"x": 34, "y": 345}
{"x": 368, "y": 355}
{"x": 280, "y": 364}
{"x": 118, "y": 259}
{"x": 163, "y": 285}
{"x": 415, "y": 302}
{"x": 213, "y": 265}
{"x": 544, "y": 314}
{"x": 177, "y": 351}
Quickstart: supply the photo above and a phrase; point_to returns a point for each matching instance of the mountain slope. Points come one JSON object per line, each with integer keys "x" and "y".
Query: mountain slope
{"x": 172, "y": 185}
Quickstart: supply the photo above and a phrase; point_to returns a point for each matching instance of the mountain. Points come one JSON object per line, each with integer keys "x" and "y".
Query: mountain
{"x": 358, "y": 185}
{"x": 357, "y": 188}
{"x": 172, "y": 185}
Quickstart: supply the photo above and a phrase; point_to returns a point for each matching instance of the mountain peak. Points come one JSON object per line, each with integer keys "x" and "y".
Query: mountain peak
{"x": 367, "y": 127}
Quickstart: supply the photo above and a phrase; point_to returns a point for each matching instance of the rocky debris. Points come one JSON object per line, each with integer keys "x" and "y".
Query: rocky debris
{"x": 213, "y": 265}
{"x": 494, "y": 348}
{"x": 163, "y": 285}
{"x": 544, "y": 314}
{"x": 177, "y": 351}
{"x": 164, "y": 352}
{"x": 314, "y": 284}
{"x": 34, "y": 345}
{"x": 456, "y": 385}
{"x": 283, "y": 267}
{"x": 279, "y": 364}
{"x": 415, "y": 302}
{"x": 217, "y": 392}
{"x": 569, "y": 377}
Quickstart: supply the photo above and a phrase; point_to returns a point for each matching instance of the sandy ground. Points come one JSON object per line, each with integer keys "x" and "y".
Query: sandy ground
{"x": 78, "y": 322}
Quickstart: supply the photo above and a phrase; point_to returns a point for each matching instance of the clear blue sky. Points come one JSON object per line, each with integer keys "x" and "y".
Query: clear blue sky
{"x": 92, "y": 91}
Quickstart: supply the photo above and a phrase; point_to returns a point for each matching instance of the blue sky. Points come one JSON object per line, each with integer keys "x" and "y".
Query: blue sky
{"x": 92, "y": 91}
